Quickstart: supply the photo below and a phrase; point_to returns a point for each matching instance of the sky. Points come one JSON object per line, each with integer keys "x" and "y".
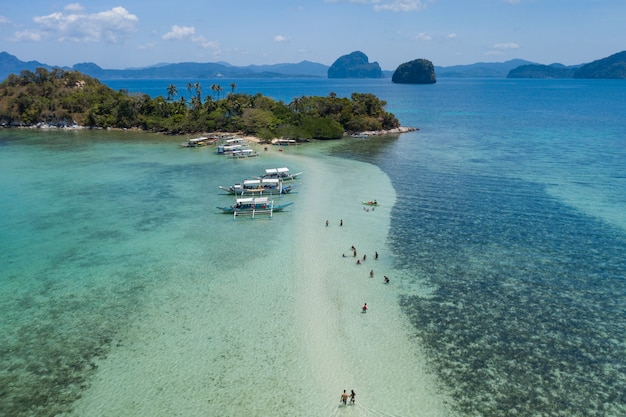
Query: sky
{"x": 138, "y": 33}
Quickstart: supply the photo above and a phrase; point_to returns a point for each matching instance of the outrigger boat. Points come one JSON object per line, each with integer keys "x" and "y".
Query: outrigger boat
{"x": 252, "y": 206}
{"x": 228, "y": 146}
{"x": 200, "y": 141}
{"x": 258, "y": 187}
{"x": 243, "y": 153}
{"x": 281, "y": 173}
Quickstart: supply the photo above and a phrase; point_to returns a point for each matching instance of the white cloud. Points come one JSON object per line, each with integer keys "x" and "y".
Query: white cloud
{"x": 181, "y": 33}
{"x": 390, "y": 5}
{"x": 4, "y": 20}
{"x": 452, "y": 36}
{"x": 74, "y": 7}
{"x": 280, "y": 38}
{"x": 423, "y": 37}
{"x": 110, "y": 25}
{"x": 400, "y": 5}
{"x": 27, "y": 35}
{"x": 508, "y": 45}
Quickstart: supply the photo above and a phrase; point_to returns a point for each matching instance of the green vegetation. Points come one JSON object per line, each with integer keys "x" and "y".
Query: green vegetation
{"x": 63, "y": 98}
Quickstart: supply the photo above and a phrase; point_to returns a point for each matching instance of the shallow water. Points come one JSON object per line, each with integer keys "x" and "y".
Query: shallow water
{"x": 142, "y": 299}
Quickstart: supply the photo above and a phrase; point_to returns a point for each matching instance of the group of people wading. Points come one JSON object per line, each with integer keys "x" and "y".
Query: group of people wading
{"x": 344, "y": 397}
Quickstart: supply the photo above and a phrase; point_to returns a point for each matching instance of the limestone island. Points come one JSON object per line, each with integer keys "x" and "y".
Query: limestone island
{"x": 355, "y": 65}
{"x": 418, "y": 71}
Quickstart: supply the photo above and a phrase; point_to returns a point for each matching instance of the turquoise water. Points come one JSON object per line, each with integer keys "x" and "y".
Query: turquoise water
{"x": 501, "y": 225}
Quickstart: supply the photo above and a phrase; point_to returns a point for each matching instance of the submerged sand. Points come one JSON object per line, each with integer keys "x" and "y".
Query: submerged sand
{"x": 282, "y": 334}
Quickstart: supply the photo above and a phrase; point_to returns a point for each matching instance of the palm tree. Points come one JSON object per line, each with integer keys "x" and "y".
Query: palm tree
{"x": 218, "y": 88}
{"x": 295, "y": 104}
{"x": 198, "y": 89}
{"x": 232, "y": 87}
{"x": 171, "y": 92}
{"x": 189, "y": 88}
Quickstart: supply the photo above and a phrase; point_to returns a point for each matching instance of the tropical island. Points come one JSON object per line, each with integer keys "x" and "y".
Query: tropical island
{"x": 63, "y": 98}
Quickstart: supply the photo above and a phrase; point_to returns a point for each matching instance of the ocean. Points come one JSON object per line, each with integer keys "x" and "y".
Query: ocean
{"x": 501, "y": 225}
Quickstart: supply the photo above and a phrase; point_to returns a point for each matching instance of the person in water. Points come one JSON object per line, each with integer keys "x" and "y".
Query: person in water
{"x": 372, "y": 273}
{"x": 365, "y": 308}
{"x": 344, "y": 397}
{"x": 386, "y": 279}
{"x": 352, "y": 395}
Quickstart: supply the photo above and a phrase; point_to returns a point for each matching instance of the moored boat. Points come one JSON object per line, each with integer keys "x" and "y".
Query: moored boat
{"x": 243, "y": 153}
{"x": 258, "y": 187}
{"x": 283, "y": 173}
{"x": 252, "y": 206}
{"x": 199, "y": 141}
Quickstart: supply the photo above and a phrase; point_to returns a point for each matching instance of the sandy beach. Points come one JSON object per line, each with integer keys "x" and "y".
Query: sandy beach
{"x": 282, "y": 334}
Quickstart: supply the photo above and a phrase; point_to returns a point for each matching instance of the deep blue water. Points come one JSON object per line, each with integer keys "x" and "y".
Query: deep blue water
{"x": 512, "y": 206}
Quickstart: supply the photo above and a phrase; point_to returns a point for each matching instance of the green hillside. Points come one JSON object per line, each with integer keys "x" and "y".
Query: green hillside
{"x": 62, "y": 98}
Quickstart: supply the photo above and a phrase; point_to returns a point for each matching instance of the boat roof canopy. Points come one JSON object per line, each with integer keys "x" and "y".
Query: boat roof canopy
{"x": 270, "y": 181}
{"x": 276, "y": 170}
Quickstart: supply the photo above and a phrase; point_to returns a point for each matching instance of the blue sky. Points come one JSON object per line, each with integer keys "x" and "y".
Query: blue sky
{"x": 136, "y": 33}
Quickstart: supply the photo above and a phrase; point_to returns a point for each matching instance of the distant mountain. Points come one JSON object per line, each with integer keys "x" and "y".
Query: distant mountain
{"x": 543, "y": 71}
{"x": 299, "y": 69}
{"x": 207, "y": 70}
{"x": 480, "y": 69}
{"x": 612, "y": 67}
{"x": 9, "y": 64}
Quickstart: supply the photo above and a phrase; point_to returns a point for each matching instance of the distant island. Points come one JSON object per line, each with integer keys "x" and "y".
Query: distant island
{"x": 354, "y": 65}
{"x": 612, "y": 67}
{"x": 61, "y": 98}
{"x": 418, "y": 71}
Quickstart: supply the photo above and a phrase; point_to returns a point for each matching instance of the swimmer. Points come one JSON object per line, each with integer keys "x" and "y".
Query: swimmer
{"x": 358, "y": 262}
{"x": 344, "y": 397}
{"x": 365, "y": 308}
{"x": 376, "y": 255}
{"x": 341, "y": 222}
{"x": 352, "y": 395}
{"x": 326, "y": 222}
{"x": 386, "y": 279}
{"x": 364, "y": 258}
{"x": 372, "y": 273}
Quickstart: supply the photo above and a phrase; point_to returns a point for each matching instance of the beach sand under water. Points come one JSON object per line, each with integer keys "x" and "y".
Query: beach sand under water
{"x": 268, "y": 321}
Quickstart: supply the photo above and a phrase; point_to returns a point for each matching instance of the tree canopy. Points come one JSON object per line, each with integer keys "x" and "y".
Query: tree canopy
{"x": 61, "y": 98}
